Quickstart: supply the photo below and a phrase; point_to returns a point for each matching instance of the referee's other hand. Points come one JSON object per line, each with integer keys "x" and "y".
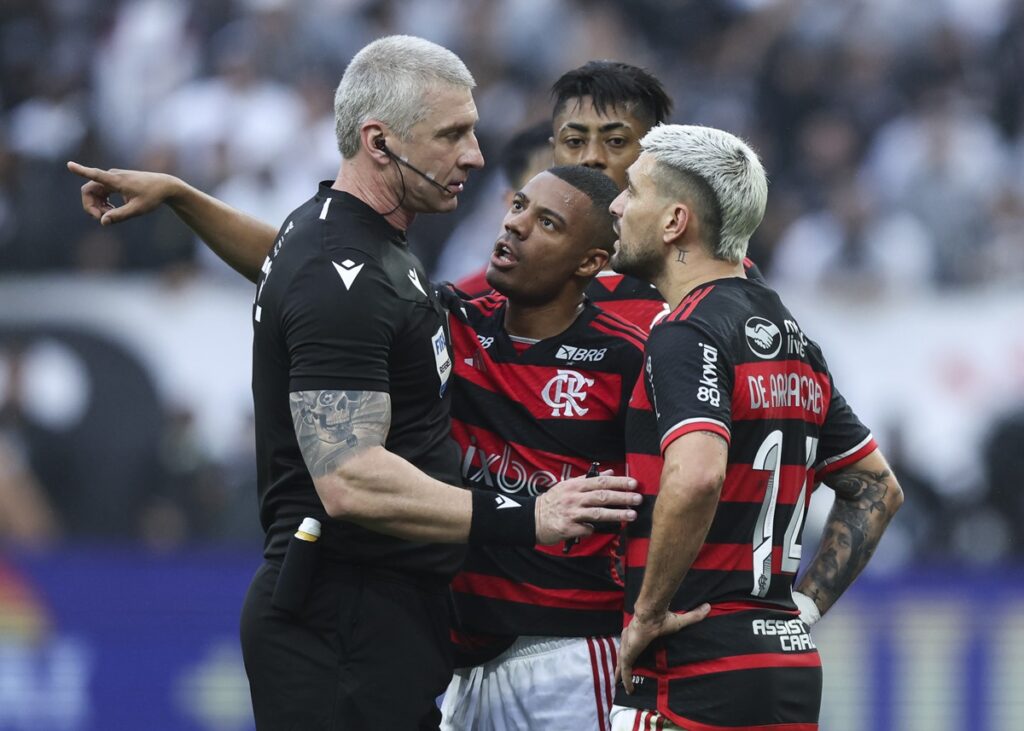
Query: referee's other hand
{"x": 140, "y": 191}
{"x": 570, "y": 508}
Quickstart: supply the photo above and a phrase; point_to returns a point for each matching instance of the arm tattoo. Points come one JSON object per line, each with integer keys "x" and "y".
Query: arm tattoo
{"x": 332, "y": 425}
{"x": 854, "y": 527}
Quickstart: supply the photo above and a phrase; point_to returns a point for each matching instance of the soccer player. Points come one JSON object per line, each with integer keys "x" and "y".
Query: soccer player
{"x": 541, "y": 387}
{"x": 602, "y": 110}
{"x": 351, "y": 364}
{"x": 740, "y": 404}
{"x": 526, "y": 154}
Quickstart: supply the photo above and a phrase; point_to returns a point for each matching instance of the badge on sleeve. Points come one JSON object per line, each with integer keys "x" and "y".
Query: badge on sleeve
{"x": 441, "y": 358}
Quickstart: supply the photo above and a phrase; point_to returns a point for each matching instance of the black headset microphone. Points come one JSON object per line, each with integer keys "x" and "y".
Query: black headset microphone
{"x": 381, "y": 144}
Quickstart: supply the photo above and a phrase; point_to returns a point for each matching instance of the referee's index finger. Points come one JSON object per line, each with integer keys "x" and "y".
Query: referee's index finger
{"x": 100, "y": 176}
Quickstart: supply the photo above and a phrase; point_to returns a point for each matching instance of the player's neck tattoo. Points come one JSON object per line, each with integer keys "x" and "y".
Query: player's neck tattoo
{"x": 681, "y": 256}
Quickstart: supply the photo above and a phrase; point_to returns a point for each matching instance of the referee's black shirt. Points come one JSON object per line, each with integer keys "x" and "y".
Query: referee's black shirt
{"x": 343, "y": 305}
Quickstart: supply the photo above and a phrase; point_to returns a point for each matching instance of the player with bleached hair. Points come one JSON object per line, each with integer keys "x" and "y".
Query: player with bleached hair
{"x": 737, "y": 422}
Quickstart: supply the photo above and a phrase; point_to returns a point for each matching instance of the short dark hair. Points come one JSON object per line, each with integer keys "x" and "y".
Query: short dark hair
{"x": 611, "y": 84}
{"x": 515, "y": 155}
{"x": 601, "y": 190}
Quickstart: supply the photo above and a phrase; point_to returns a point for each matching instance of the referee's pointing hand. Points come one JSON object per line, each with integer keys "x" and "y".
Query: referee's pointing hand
{"x": 141, "y": 192}
{"x": 570, "y": 508}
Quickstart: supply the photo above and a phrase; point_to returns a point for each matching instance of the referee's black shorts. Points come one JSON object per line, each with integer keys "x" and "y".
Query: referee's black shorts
{"x": 369, "y": 650}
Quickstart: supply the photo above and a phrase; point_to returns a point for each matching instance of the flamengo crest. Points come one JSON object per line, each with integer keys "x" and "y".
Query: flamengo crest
{"x": 564, "y": 392}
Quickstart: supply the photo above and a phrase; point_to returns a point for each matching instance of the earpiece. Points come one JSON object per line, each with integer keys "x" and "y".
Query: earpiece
{"x": 381, "y": 144}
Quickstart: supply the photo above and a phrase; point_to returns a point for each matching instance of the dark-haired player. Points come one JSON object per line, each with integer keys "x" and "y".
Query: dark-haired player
{"x": 541, "y": 387}
{"x": 527, "y": 153}
{"x": 602, "y": 110}
{"x": 740, "y": 404}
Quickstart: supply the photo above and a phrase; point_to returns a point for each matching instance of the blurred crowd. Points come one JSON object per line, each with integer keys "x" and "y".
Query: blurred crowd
{"x": 893, "y": 133}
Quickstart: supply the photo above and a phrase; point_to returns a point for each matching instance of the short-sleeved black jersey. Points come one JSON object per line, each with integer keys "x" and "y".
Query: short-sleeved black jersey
{"x": 343, "y": 305}
{"x": 732, "y": 360}
{"x": 524, "y": 421}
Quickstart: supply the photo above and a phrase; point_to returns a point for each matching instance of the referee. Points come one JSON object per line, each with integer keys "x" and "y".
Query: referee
{"x": 351, "y": 363}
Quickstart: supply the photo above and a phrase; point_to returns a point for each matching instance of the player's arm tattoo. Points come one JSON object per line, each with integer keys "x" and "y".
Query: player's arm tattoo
{"x": 331, "y": 426}
{"x": 864, "y": 505}
{"x": 722, "y": 441}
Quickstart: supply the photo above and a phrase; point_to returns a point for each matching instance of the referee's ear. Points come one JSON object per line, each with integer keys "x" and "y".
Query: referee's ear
{"x": 373, "y": 138}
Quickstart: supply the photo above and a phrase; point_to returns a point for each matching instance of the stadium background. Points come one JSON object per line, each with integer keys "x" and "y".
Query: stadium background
{"x": 893, "y": 133}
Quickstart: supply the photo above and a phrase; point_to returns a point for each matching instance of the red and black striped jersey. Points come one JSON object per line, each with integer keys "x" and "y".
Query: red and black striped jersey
{"x": 524, "y": 420}
{"x": 732, "y": 360}
{"x": 637, "y": 301}
{"x": 630, "y": 298}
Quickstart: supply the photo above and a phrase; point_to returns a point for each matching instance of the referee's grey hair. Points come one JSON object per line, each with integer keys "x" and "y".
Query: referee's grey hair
{"x": 386, "y": 80}
{"x": 720, "y": 173}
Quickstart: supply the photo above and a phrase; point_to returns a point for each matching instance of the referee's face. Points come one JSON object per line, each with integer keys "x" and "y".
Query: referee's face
{"x": 443, "y": 146}
{"x": 546, "y": 239}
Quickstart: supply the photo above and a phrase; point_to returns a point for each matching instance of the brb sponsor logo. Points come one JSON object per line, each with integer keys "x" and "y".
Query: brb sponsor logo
{"x": 581, "y": 355}
{"x": 763, "y": 337}
{"x": 792, "y": 633}
{"x": 505, "y": 473}
{"x": 564, "y": 393}
{"x": 708, "y": 391}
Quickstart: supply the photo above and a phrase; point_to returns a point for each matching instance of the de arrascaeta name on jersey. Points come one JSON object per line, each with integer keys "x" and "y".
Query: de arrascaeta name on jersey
{"x": 766, "y": 388}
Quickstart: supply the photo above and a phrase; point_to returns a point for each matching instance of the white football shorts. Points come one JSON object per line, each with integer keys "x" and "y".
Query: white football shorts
{"x": 537, "y": 683}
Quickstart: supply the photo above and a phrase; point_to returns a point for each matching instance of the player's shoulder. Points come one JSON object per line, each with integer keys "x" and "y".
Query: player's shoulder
{"x": 724, "y": 300}
{"x": 610, "y": 285}
{"x": 717, "y": 310}
{"x": 621, "y": 333}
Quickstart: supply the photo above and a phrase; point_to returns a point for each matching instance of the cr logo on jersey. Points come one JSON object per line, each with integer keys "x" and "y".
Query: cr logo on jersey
{"x": 763, "y": 337}
{"x": 564, "y": 392}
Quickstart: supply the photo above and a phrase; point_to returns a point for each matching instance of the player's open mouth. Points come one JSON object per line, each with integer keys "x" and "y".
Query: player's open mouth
{"x": 503, "y": 256}
{"x": 455, "y": 188}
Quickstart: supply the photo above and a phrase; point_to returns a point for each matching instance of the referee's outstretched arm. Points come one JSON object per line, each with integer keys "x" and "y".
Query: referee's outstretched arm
{"x": 359, "y": 480}
{"x": 239, "y": 239}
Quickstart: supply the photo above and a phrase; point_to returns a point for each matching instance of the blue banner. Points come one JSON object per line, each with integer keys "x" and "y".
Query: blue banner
{"x": 100, "y": 640}
{"x": 103, "y": 639}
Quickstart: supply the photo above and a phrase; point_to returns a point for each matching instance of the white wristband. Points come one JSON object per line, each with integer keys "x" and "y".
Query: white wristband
{"x": 809, "y": 612}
